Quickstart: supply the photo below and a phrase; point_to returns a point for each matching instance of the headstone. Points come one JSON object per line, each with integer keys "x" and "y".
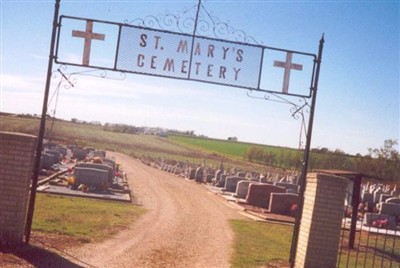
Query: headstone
{"x": 62, "y": 150}
{"x": 46, "y": 161}
{"x": 91, "y": 177}
{"x": 384, "y": 197}
{"x": 367, "y": 197}
{"x": 393, "y": 200}
{"x": 209, "y": 178}
{"x": 288, "y": 186}
{"x": 242, "y": 188}
{"x": 377, "y": 195}
{"x": 79, "y": 154}
{"x": 108, "y": 168}
{"x": 291, "y": 191}
{"x": 265, "y": 180}
{"x": 259, "y": 194}
{"x": 56, "y": 155}
{"x": 177, "y": 170}
{"x": 241, "y": 174}
{"x": 282, "y": 203}
{"x": 221, "y": 182}
{"x": 390, "y": 209}
{"x": 192, "y": 174}
{"x": 370, "y": 219}
{"x": 108, "y": 161}
{"x": 231, "y": 183}
{"x": 199, "y": 175}
{"x": 218, "y": 174}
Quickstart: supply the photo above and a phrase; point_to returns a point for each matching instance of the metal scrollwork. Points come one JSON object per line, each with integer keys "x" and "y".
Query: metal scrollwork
{"x": 99, "y": 73}
{"x": 297, "y": 110}
{"x": 208, "y": 25}
{"x": 68, "y": 80}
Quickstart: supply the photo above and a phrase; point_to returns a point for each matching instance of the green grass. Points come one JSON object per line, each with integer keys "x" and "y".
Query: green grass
{"x": 371, "y": 250}
{"x": 258, "y": 244}
{"x": 230, "y": 148}
{"x": 224, "y": 147}
{"x": 82, "y": 218}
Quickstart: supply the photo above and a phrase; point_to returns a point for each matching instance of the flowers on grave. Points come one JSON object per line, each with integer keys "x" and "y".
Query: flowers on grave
{"x": 380, "y": 223}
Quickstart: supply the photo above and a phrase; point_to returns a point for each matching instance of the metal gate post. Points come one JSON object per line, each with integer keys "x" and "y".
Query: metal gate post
{"x": 306, "y": 156}
{"x": 36, "y": 168}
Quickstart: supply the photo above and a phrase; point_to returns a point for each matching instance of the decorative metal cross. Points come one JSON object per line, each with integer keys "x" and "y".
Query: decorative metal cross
{"x": 287, "y": 65}
{"x": 88, "y": 35}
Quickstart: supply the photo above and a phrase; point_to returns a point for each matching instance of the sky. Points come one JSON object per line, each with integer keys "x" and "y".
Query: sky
{"x": 358, "y": 100}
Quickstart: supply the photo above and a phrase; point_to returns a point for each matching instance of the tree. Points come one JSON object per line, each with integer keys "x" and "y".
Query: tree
{"x": 386, "y": 162}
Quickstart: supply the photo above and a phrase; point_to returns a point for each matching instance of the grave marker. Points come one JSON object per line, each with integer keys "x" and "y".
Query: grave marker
{"x": 231, "y": 183}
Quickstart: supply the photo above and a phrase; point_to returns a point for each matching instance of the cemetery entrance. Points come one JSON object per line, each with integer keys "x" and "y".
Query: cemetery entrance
{"x": 187, "y": 53}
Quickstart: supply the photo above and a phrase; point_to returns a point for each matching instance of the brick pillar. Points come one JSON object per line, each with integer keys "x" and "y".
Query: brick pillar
{"x": 319, "y": 233}
{"x": 16, "y": 166}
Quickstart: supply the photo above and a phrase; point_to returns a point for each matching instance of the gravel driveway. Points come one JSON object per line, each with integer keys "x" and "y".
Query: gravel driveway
{"x": 185, "y": 226}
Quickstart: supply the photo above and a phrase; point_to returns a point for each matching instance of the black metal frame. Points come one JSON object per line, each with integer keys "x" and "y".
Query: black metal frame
{"x": 53, "y": 56}
{"x": 193, "y": 36}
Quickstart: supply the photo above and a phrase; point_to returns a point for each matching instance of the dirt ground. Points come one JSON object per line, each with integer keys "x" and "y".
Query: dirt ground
{"x": 185, "y": 226}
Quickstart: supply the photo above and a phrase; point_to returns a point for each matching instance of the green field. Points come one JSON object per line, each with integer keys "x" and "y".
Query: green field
{"x": 223, "y": 147}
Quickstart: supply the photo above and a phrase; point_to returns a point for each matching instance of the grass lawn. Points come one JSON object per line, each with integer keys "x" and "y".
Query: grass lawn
{"x": 85, "y": 219}
{"x": 257, "y": 243}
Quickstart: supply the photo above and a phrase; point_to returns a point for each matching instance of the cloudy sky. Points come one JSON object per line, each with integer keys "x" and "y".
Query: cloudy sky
{"x": 358, "y": 97}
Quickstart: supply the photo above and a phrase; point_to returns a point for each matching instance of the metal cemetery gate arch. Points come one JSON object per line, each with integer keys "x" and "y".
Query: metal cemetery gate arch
{"x": 186, "y": 54}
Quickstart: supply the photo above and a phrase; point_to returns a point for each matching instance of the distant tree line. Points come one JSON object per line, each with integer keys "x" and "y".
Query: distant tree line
{"x": 382, "y": 163}
{"x": 129, "y": 129}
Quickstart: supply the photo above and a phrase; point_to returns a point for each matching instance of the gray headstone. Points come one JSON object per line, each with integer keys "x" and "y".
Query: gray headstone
{"x": 209, "y": 178}
{"x": 108, "y": 161}
{"x": 384, "y": 197}
{"x": 108, "y": 168}
{"x": 91, "y": 177}
{"x": 221, "y": 182}
{"x": 56, "y": 155}
{"x": 62, "y": 150}
{"x": 242, "y": 188}
{"x": 79, "y": 154}
{"x": 241, "y": 174}
{"x": 367, "y": 197}
{"x": 231, "y": 183}
{"x": 390, "y": 209}
{"x": 377, "y": 195}
{"x": 370, "y": 218}
{"x": 192, "y": 174}
{"x": 218, "y": 174}
{"x": 282, "y": 203}
{"x": 288, "y": 185}
{"x": 393, "y": 200}
{"x": 199, "y": 174}
{"x": 46, "y": 161}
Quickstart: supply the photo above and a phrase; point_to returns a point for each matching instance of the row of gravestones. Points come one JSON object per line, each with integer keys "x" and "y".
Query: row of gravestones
{"x": 278, "y": 197}
{"x": 92, "y": 169}
{"x": 383, "y": 205}
{"x": 53, "y": 154}
{"x": 250, "y": 188}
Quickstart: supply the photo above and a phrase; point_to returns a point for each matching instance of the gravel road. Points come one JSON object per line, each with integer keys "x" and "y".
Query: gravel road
{"x": 185, "y": 226}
